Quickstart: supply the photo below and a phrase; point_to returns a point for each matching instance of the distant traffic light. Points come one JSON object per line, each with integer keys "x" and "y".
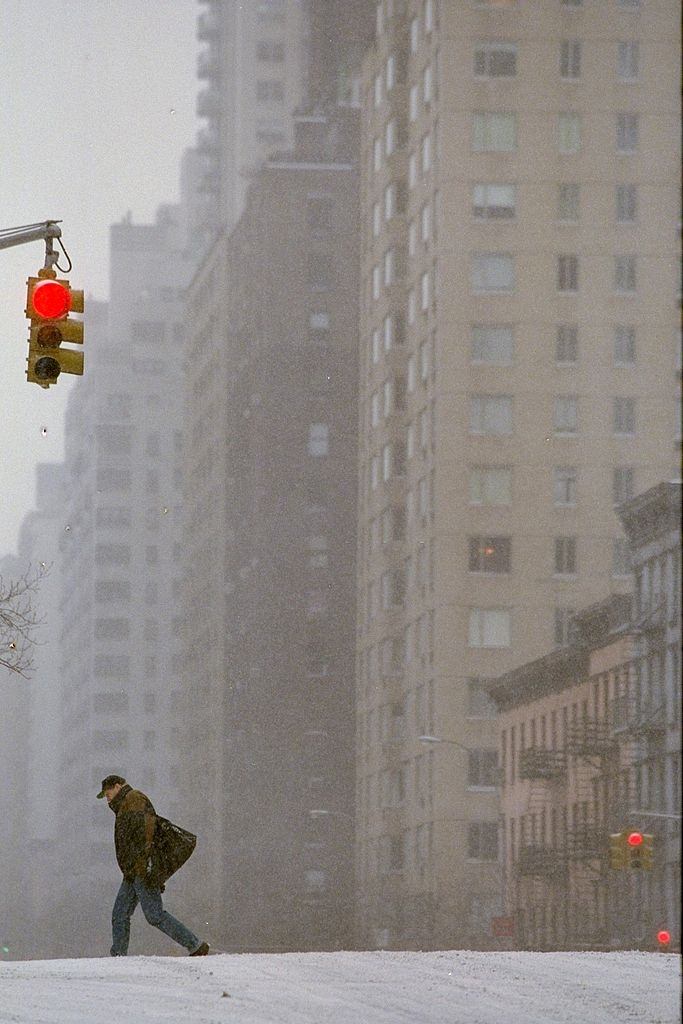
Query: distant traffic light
{"x": 49, "y": 304}
{"x": 640, "y": 851}
{"x": 663, "y": 938}
{"x": 618, "y": 851}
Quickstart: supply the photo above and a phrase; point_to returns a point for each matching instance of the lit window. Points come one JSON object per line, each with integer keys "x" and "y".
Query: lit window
{"x": 489, "y": 554}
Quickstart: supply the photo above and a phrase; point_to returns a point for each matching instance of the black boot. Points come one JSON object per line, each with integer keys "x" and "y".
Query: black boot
{"x": 201, "y": 950}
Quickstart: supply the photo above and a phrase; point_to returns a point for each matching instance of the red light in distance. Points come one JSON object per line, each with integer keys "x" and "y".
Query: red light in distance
{"x": 635, "y": 839}
{"x": 664, "y": 937}
{"x": 51, "y": 299}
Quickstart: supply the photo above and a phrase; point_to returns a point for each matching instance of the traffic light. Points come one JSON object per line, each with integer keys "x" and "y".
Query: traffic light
{"x": 640, "y": 851}
{"x": 664, "y": 939}
{"x": 618, "y": 851}
{"x": 49, "y": 303}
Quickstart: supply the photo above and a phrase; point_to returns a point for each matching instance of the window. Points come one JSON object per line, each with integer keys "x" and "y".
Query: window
{"x": 570, "y": 59}
{"x": 376, "y": 154}
{"x": 271, "y": 10}
{"x": 424, "y": 291}
{"x": 319, "y": 321}
{"x": 378, "y": 90}
{"x": 390, "y": 136}
{"x": 390, "y": 72}
{"x": 318, "y": 439}
{"x": 495, "y": 60}
{"x": 493, "y": 272}
{"x": 428, "y": 15}
{"x": 564, "y": 485}
{"x": 563, "y": 625}
{"x": 412, "y": 170}
{"x": 568, "y": 273}
{"x": 414, "y": 35}
{"x": 494, "y": 133}
{"x": 482, "y": 768}
{"x": 110, "y": 703}
{"x": 112, "y": 590}
{"x": 492, "y": 344}
{"x": 112, "y": 554}
{"x": 426, "y": 222}
{"x": 489, "y": 627}
{"x": 482, "y": 840}
{"x": 320, "y": 271}
{"x": 414, "y": 102}
{"x": 269, "y": 50}
{"x": 568, "y": 203}
{"x": 625, "y": 273}
{"x": 489, "y": 554}
{"x": 621, "y": 557}
{"x": 427, "y": 85}
{"x": 571, "y": 3}
{"x": 490, "y": 485}
{"x": 375, "y": 346}
{"x": 630, "y": 5}
{"x": 624, "y": 415}
{"x": 112, "y": 629}
{"x": 491, "y": 414}
{"x": 271, "y": 91}
{"x": 393, "y": 589}
{"x": 493, "y": 202}
{"x": 624, "y": 345}
{"x": 565, "y": 556}
{"x": 376, "y": 280}
{"x": 567, "y": 344}
{"x": 628, "y": 61}
{"x": 426, "y": 154}
{"x": 479, "y": 702}
{"x": 569, "y": 133}
{"x": 113, "y": 516}
{"x": 627, "y": 133}
{"x": 112, "y": 666}
{"x": 626, "y": 203}
{"x": 566, "y": 415}
{"x": 623, "y": 487}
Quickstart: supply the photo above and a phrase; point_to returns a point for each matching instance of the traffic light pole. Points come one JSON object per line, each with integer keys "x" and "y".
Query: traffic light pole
{"x": 46, "y": 231}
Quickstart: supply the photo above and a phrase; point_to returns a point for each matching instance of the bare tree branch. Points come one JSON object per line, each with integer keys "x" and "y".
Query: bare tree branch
{"x": 19, "y": 620}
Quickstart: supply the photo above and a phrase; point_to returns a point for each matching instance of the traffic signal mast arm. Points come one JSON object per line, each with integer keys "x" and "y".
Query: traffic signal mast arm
{"x": 46, "y": 231}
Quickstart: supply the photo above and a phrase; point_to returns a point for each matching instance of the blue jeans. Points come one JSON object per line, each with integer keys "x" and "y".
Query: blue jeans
{"x": 127, "y": 899}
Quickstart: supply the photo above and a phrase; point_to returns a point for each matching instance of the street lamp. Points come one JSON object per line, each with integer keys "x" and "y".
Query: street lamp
{"x": 441, "y": 739}
{"x": 321, "y": 812}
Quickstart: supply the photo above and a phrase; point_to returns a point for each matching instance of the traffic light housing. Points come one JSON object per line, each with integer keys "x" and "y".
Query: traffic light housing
{"x": 49, "y": 305}
{"x": 618, "y": 851}
{"x": 640, "y": 851}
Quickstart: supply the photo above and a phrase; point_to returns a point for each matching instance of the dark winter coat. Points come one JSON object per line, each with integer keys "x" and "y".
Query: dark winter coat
{"x": 133, "y": 831}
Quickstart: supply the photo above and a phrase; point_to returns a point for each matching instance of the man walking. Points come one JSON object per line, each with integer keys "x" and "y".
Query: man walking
{"x": 133, "y": 837}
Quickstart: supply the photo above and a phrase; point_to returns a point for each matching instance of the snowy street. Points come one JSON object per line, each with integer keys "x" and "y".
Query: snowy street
{"x": 346, "y": 988}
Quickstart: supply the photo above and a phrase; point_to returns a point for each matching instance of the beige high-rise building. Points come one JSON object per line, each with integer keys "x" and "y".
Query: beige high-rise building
{"x": 520, "y": 318}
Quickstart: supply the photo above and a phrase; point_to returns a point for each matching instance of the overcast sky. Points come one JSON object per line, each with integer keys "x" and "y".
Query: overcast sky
{"x": 97, "y": 102}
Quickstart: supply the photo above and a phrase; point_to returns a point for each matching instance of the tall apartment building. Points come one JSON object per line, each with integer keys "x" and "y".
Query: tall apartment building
{"x": 519, "y": 320}
{"x": 120, "y": 552}
{"x": 271, "y": 472}
{"x": 252, "y": 66}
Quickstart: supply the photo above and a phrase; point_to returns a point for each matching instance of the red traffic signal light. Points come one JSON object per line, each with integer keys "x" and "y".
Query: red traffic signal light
{"x": 51, "y": 300}
{"x": 635, "y": 839}
{"x": 664, "y": 937}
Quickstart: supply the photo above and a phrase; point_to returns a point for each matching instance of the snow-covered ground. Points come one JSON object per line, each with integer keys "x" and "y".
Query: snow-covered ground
{"x": 346, "y": 988}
